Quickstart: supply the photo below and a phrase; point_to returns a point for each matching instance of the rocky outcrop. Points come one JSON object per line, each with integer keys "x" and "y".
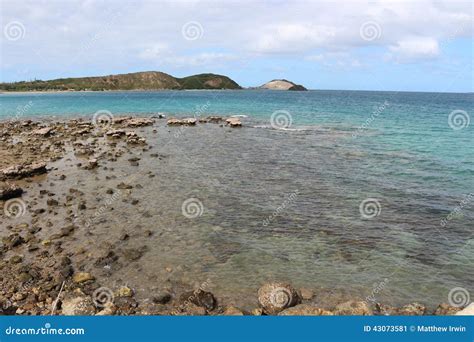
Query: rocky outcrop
{"x": 22, "y": 171}
{"x": 9, "y": 190}
{"x": 181, "y": 122}
{"x": 282, "y": 85}
{"x": 233, "y": 122}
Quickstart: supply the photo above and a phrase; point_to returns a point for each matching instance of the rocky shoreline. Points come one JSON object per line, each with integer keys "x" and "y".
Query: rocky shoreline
{"x": 42, "y": 274}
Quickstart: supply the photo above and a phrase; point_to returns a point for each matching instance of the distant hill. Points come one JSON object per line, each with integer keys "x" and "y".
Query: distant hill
{"x": 148, "y": 80}
{"x": 282, "y": 85}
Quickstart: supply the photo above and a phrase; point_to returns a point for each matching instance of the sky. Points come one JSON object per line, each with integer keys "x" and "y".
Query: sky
{"x": 361, "y": 45}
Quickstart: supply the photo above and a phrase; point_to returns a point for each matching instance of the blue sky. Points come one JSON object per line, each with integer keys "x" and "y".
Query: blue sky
{"x": 369, "y": 45}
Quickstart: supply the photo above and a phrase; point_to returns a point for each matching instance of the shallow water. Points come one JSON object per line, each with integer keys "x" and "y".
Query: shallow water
{"x": 285, "y": 204}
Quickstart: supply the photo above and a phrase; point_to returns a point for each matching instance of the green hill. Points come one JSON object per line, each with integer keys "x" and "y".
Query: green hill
{"x": 149, "y": 80}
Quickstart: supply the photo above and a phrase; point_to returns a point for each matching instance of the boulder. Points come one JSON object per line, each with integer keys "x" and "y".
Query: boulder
{"x": 305, "y": 310}
{"x": 232, "y": 311}
{"x": 446, "y": 309}
{"x": 276, "y": 297}
{"x": 353, "y": 307}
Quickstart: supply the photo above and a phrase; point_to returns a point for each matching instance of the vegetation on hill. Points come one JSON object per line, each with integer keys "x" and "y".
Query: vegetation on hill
{"x": 149, "y": 80}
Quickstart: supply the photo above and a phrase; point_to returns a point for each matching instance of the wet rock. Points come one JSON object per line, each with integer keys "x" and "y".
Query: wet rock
{"x": 91, "y": 164}
{"x": 200, "y": 298}
{"x": 232, "y": 311}
{"x": 133, "y": 254}
{"x": 413, "y": 309}
{"x": 446, "y": 309}
{"x": 82, "y": 277}
{"x": 23, "y": 170}
{"x": 385, "y": 310}
{"x": 306, "y": 294}
{"x": 9, "y": 190}
{"x": 305, "y": 310}
{"x": 233, "y": 122}
{"x": 190, "y": 309}
{"x": 78, "y": 306}
{"x": 108, "y": 310}
{"x": 52, "y": 202}
{"x": 257, "y": 312}
{"x": 124, "y": 291}
{"x": 276, "y": 297}
{"x": 138, "y": 122}
{"x": 12, "y": 241}
{"x": 353, "y": 307}
{"x": 123, "y": 186}
{"x": 16, "y": 259}
{"x": 186, "y": 122}
{"x": 162, "y": 298}
{"x": 115, "y": 133}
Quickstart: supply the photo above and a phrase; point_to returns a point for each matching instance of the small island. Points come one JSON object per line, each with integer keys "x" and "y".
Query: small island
{"x": 282, "y": 85}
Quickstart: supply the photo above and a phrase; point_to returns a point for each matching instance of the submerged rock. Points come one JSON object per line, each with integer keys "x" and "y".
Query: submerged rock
{"x": 200, "y": 298}
{"x": 305, "y": 310}
{"x": 276, "y": 297}
{"x": 353, "y": 307}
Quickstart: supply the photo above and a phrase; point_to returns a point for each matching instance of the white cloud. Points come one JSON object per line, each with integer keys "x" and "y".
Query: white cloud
{"x": 63, "y": 35}
{"x": 413, "y": 49}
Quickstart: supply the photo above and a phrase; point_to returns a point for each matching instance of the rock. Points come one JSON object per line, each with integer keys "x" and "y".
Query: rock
{"x": 413, "y": 309}
{"x": 45, "y": 131}
{"x": 191, "y": 309}
{"x": 133, "y": 254}
{"x": 257, "y": 312}
{"x": 12, "y": 241}
{"x": 124, "y": 291}
{"x": 162, "y": 298}
{"x": 276, "y": 297}
{"x": 108, "y": 310}
{"x": 353, "y": 307}
{"x": 91, "y": 164}
{"x": 82, "y": 277}
{"x": 138, "y": 122}
{"x": 385, "y": 310}
{"x": 23, "y": 170}
{"x": 115, "y": 133}
{"x": 16, "y": 259}
{"x": 78, "y": 306}
{"x": 233, "y": 122}
{"x": 306, "y": 294}
{"x": 9, "y": 190}
{"x": 445, "y": 309}
{"x": 232, "y": 311}
{"x": 467, "y": 311}
{"x": 123, "y": 186}
{"x": 200, "y": 298}
{"x": 186, "y": 122}
{"x": 305, "y": 310}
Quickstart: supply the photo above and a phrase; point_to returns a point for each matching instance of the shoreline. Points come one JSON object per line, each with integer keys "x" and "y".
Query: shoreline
{"x": 45, "y": 256}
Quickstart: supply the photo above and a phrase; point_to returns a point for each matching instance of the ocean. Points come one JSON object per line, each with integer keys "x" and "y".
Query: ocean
{"x": 365, "y": 192}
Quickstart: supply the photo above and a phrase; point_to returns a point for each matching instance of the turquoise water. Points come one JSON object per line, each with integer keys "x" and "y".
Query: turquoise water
{"x": 285, "y": 200}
